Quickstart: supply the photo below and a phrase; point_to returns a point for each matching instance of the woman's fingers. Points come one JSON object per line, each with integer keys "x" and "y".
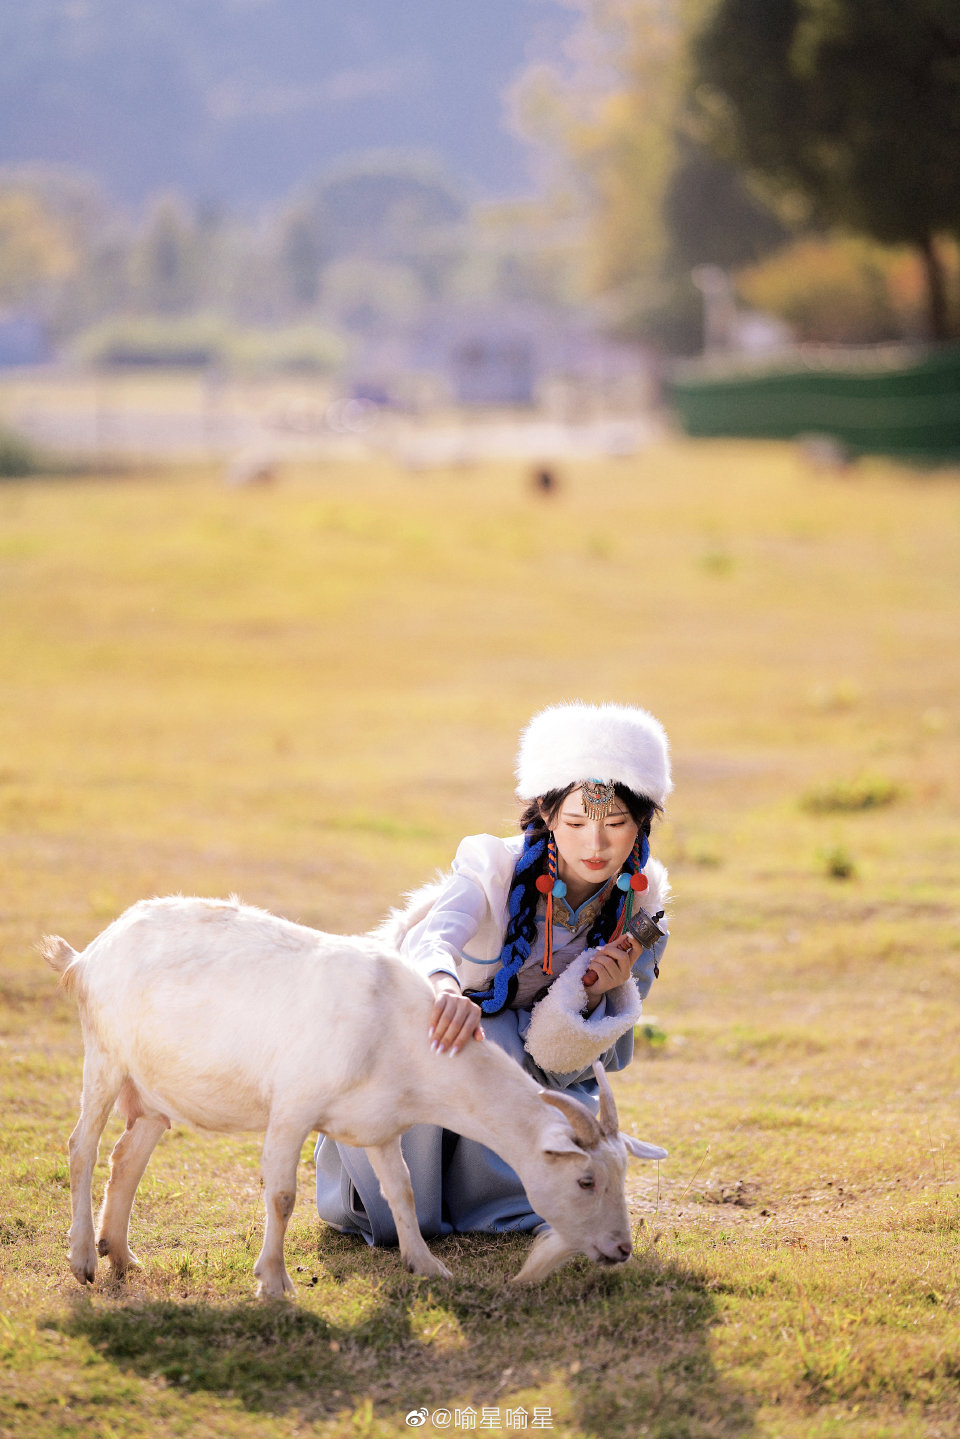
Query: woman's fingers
{"x": 453, "y": 1020}
{"x": 612, "y": 965}
{"x": 601, "y": 965}
{"x": 467, "y": 1030}
{"x": 440, "y": 1017}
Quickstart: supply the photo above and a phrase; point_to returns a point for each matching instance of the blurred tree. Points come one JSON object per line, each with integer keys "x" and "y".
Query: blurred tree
{"x": 848, "y": 111}
{"x": 388, "y": 208}
{"x": 373, "y": 245}
{"x": 72, "y": 199}
{"x": 381, "y": 204}
{"x": 711, "y": 217}
{"x": 842, "y": 289}
{"x": 371, "y": 295}
{"x": 61, "y": 219}
{"x": 607, "y": 124}
{"x": 34, "y": 247}
{"x": 517, "y": 250}
{"x": 164, "y": 262}
{"x": 653, "y": 201}
{"x": 301, "y": 256}
{"x": 100, "y": 285}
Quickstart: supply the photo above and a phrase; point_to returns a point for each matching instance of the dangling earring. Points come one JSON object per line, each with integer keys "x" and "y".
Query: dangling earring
{"x": 549, "y": 885}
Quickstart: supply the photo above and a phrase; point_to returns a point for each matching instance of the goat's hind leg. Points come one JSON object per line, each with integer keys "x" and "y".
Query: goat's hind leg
{"x": 102, "y": 1079}
{"x": 129, "y": 1159}
{"x": 390, "y": 1167}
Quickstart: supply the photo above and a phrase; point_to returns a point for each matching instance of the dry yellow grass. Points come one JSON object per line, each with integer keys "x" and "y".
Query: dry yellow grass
{"x": 307, "y": 695}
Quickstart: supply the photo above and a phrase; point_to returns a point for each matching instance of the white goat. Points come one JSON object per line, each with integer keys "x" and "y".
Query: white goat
{"x": 225, "y": 1017}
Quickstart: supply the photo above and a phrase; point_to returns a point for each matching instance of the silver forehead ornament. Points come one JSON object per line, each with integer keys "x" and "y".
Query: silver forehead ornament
{"x": 599, "y": 797}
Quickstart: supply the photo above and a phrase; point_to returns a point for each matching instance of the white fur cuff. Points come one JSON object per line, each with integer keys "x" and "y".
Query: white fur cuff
{"x": 559, "y": 1039}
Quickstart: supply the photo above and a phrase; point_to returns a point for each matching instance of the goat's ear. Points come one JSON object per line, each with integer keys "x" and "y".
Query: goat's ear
{"x": 641, "y": 1150}
{"x": 559, "y": 1141}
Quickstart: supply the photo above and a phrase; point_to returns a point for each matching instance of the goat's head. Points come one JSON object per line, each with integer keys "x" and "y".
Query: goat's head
{"x": 576, "y": 1181}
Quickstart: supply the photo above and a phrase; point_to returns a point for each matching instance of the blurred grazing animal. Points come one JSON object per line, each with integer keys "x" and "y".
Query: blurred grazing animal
{"x": 225, "y": 1017}
{"x": 248, "y": 470}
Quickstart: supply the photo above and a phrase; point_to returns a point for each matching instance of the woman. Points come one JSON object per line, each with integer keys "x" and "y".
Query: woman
{"x": 545, "y": 944}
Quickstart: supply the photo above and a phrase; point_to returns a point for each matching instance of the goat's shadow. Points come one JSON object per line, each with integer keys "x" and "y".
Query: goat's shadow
{"x": 629, "y": 1343}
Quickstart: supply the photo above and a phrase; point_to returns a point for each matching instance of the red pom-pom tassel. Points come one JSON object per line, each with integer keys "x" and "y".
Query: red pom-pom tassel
{"x": 638, "y": 881}
{"x": 544, "y": 883}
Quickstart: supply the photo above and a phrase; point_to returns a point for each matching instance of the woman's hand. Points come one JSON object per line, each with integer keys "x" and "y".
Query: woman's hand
{"x": 454, "y": 1018}
{"x": 612, "y": 965}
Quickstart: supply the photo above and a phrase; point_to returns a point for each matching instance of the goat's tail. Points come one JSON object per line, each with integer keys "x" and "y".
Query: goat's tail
{"x": 60, "y": 956}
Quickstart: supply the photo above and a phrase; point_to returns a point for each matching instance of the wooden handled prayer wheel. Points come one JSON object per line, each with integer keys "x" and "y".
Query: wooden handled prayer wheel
{"x": 643, "y": 928}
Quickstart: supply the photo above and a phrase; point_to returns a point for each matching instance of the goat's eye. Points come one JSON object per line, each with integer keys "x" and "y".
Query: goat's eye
{"x": 586, "y": 1183}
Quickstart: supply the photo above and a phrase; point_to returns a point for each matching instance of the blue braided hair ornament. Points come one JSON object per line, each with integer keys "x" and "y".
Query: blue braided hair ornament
{"x": 521, "y": 928}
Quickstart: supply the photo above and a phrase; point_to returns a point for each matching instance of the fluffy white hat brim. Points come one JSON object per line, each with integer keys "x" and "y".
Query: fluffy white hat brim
{"x": 618, "y": 744}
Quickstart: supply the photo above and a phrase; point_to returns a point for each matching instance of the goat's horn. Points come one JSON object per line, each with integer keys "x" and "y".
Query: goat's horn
{"x": 607, "y": 1115}
{"x": 586, "y": 1130}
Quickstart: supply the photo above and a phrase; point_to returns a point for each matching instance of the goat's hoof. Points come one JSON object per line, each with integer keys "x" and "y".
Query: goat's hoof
{"x": 430, "y": 1268}
{"x": 85, "y": 1269}
{"x": 121, "y": 1264}
{"x": 274, "y": 1286}
{"x": 270, "y": 1291}
{"x": 120, "y": 1256}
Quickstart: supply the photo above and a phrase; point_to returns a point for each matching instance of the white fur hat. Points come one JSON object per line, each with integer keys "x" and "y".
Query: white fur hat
{"x": 567, "y": 744}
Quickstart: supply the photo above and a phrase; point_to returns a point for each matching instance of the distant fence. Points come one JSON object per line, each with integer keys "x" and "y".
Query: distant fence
{"x": 871, "y": 403}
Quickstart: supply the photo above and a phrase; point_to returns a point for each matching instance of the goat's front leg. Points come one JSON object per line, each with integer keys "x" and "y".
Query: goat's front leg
{"x": 129, "y": 1159}
{"x": 101, "y": 1085}
{"x": 278, "y": 1165}
{"x": 390, "y": 1167}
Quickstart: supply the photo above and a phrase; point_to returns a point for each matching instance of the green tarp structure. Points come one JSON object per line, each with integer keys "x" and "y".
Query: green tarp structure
{"x": 877, "y": 403}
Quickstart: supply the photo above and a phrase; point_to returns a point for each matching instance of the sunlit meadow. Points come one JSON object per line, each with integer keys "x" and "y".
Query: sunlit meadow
{"x": 305, "y": 694}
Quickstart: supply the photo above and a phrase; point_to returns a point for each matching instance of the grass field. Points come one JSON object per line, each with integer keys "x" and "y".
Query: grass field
{"x": 306, "y": 695}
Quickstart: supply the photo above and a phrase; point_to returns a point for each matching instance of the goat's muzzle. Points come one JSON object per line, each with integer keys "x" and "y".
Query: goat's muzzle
{"x": 617, "y": 1253}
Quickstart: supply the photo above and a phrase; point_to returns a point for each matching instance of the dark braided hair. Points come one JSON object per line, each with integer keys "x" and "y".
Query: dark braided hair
{"x": 521, "y": 928}
{"x": 522, "y": 900}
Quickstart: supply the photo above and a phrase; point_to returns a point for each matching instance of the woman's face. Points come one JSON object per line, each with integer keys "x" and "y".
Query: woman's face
{"x": 590, "y": 851}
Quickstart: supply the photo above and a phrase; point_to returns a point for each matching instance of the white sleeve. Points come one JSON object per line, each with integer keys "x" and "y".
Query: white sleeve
{"x": 435, "y": 944}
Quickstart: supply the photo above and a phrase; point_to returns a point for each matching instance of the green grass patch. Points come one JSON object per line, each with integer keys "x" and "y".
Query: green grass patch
{"x": 851, "y": 795}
